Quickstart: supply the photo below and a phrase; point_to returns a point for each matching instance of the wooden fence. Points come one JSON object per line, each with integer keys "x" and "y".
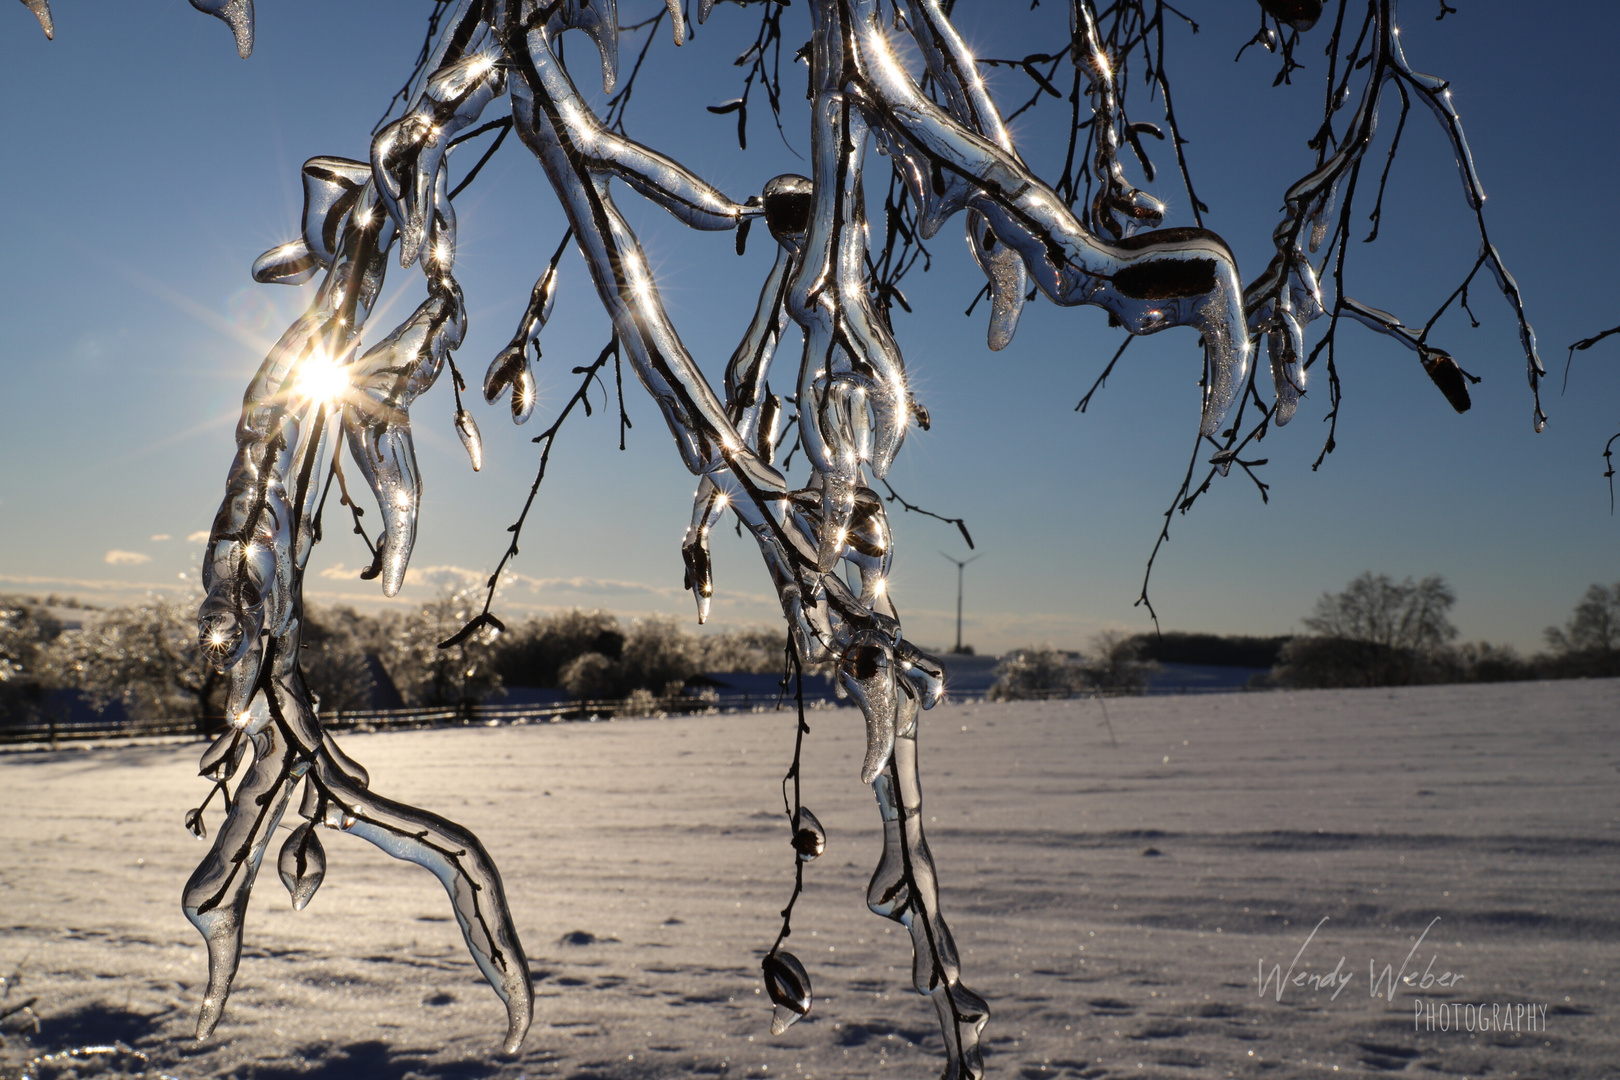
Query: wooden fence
{"x": 491, "y": 715}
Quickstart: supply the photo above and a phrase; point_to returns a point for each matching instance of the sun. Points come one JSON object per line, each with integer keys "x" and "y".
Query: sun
{"x": 321, "y": 378}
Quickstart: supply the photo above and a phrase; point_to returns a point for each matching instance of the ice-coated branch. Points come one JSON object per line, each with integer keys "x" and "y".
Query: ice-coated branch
{"x": 1091, "y": 238}
{"x": 548, "y": 439}
{"x": 289, "y": 747}
{"x": 904, "y": 887}
{"x": 1174, "y": 277}
{"x": 249, "y": 623}
{"x": 786, "y": 980}
{"x": 1608, "y": 447}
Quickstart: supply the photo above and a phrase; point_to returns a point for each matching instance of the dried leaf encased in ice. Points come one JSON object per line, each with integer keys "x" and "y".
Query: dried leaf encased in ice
{"x": 302, "y": 864}
{"x": 788, "y": 985}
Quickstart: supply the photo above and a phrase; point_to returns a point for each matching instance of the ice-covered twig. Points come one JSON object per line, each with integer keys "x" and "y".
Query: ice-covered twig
{"x": 1282, "y": 301}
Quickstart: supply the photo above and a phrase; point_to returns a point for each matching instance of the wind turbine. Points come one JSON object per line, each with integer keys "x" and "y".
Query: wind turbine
{"x": 961, "y": 565}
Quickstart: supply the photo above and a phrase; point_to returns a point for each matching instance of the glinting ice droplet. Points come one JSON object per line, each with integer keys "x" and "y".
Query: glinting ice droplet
{"x": 809, "y": 838}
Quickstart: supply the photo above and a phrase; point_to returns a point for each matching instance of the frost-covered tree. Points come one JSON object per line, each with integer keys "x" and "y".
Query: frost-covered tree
{"x": 650, "y": 654}
{"x": 1038, "y": 672}
{"x": 1114, "y": 662}
{"x": 744, "y": 649}
{"x": 463, "y": 673}
{"x": 335, "y": 660}
{"x": 145, "y": 657}
{"x": 26, "y": 632}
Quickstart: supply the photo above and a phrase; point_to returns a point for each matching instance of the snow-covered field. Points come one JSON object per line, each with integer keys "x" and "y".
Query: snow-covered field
{"x": 1114, "y": 904}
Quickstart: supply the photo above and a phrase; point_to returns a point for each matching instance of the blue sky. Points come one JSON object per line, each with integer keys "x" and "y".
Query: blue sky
{"x": 149, "y": 166}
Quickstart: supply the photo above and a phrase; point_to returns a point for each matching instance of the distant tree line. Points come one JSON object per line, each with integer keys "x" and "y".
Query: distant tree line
{"x": 1380, "y": 632}
{"x": 145, "y": 657}
{"x": 1376, "y": 632}
{"x": 1176, "y": 647}
{"x": 1113, "y": 662}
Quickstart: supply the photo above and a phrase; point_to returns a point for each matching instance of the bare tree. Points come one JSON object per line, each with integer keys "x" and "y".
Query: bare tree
{"x": 1377, "y": 632}
{"x": 1376, "y": 608}
{"x": 1589, "y": 642}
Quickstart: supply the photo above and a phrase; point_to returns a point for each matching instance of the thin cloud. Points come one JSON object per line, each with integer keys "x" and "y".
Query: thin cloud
{"x": 198, "y": 537}
{"x": 160, "y": 536}
{"x": 97, "y": 592}
{"x": 421, "y": 579}
{"x": 591, "y": 586}
{"x": 125, "y": 558}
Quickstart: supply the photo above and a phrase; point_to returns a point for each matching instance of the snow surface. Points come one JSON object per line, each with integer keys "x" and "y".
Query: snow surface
{"x": 1113, "y": 904}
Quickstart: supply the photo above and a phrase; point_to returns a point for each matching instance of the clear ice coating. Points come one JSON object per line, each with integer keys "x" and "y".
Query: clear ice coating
{"x": 789, "y": 987}
{"x": 809, "y": 838}
{"x": 236, "y": 14}
{"x": 827, "y": 545}
{"x": 315, "y": 386}
{"x": 42, "y": 12}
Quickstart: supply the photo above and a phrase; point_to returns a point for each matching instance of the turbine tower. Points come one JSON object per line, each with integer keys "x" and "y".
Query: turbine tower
{"x": 961, "y": 565}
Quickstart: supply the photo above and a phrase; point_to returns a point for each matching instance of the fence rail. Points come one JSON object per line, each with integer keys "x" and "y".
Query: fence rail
{"x": 405, "y": 719}
{"x": 475, "y": 715}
